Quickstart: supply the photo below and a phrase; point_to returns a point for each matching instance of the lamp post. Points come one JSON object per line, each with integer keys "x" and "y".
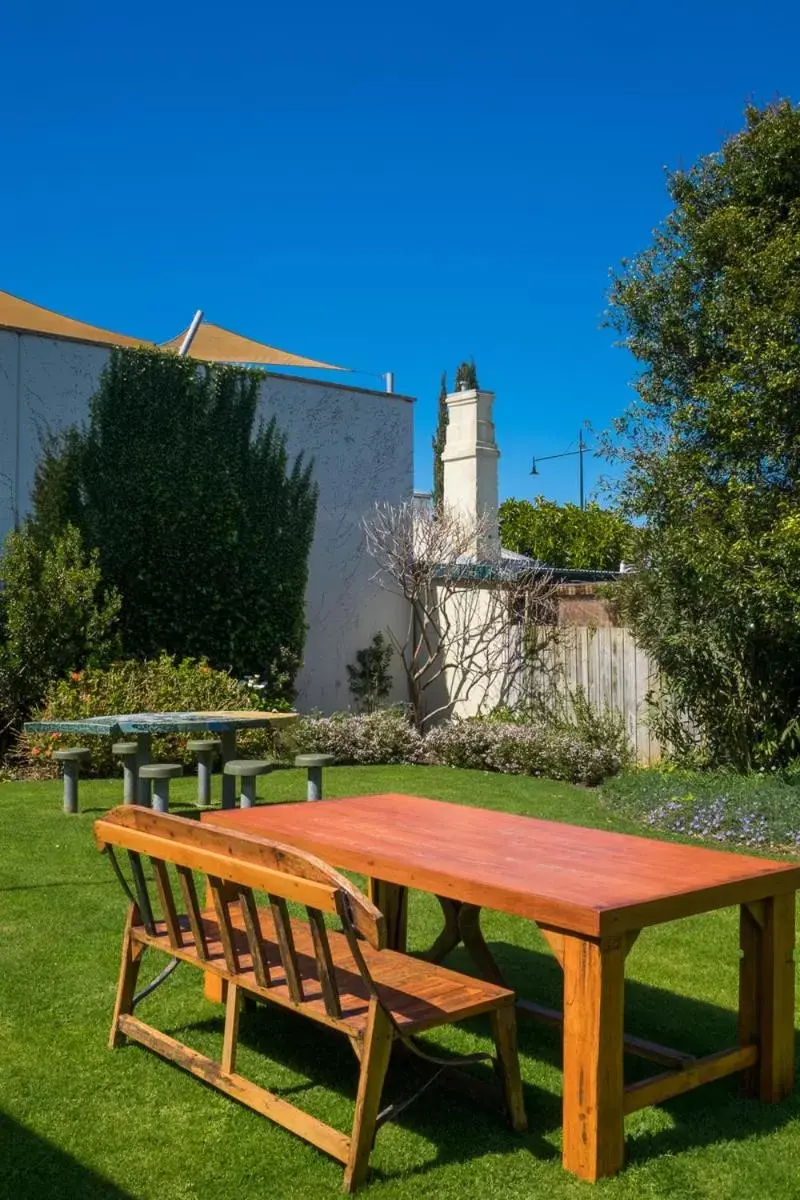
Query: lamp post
{"x": 582, "y": 449}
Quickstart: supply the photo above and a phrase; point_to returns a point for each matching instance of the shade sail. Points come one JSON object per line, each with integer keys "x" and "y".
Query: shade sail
{"x": 24, "y": 317}
{"x": 215, "y": 344}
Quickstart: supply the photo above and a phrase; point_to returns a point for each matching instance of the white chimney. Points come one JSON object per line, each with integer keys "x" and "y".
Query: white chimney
{"x": 470, "y": 464}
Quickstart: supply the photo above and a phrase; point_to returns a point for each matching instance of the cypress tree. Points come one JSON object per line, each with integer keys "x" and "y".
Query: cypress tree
{"x": 437, "y": 441}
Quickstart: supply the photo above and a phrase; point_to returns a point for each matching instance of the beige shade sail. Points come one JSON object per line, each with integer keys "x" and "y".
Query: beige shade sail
{"x": 24, "y": 317}
{"x": 215, "y": 344}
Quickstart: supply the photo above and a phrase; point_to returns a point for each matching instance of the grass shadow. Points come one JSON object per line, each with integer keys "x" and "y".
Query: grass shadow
{"x": 326, "y": 1061}
{"x": 33, "y": 1168}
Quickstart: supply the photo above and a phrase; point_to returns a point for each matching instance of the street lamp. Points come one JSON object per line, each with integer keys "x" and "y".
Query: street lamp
{"x": 582, "y": 449}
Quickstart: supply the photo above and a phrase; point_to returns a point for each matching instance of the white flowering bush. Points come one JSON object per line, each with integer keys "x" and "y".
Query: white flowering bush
{"x": 383, "y": 736}
{"x": 518, "y": 749}
{"x": 386, "y": 736}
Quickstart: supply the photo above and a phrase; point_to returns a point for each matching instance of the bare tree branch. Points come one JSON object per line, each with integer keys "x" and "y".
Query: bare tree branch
{"x": 468, "y": 631}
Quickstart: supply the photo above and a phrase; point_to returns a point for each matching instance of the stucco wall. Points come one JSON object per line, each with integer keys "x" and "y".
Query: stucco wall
{"x": 361, "y": 443}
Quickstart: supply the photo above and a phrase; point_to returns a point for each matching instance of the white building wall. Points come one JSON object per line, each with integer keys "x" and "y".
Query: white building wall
{"x": 361, "y": 443}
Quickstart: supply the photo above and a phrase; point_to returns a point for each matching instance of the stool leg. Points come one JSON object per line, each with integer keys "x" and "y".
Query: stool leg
{"x": 314, "y": 788}
{"x": 248, "y": 792}
{"x": 143, "y": 757}
{"x": 130, "y": 778}
{"x": 70, "y": 787}
{"x": 204, "y": 779}
{"x": 228, "y": 750}
{"x": 161, "y": 795}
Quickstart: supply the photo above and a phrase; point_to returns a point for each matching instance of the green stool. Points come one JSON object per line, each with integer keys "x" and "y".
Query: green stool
{"x": 205, "y": 749}
{"x": 71, "y": 760}
{"x": 247, "y": 769}
{"x": 315, "y": 763}
{"x": 160, "y": 774}
{"x": 129, "y": 753}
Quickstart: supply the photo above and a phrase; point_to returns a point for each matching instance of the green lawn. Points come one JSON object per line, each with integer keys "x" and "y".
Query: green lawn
{"x": 77, "y": 1120}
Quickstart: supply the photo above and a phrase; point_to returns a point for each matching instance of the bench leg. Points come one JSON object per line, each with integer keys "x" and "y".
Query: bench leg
{"x": 128, "y": 974}
{"x": 230, "y": 1037}
{"x": 392, "y": 900}
{"x": 594, "y": 981}
{"x": 375, "y": 1057}
{"x": 766, "y": 995}
{"x": 504, "y": 1032}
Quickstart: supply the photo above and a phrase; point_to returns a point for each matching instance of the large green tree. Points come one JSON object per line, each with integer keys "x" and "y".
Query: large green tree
{"x": 198, "y": 517}
{"x": 565, "y": 535}
{"x": 711, "y": 311}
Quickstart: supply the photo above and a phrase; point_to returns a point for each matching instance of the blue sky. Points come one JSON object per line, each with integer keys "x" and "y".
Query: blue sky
{"x": 386, "y": 187}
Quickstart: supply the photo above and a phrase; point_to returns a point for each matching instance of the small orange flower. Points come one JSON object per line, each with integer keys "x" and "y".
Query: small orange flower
{"x": 75, "y": 676}
{"x": 36, "y": 751}
{"x": 54, "y": 737}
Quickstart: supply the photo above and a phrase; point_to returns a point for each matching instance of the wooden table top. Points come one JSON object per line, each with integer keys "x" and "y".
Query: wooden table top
{"x": 214, "y": 721}
{"x": 584, "y": 880}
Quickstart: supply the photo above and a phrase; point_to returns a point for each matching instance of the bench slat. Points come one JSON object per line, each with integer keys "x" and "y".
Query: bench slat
{"x": 164, "y": 888}
{"x": 327, "y": 972}
{"x": 190, "y": 903}
{"x": 285, "y": 939}
{"x": 255, "y": 941}
{"x": 221, "y": 895}
{"x": 142, "y": 894}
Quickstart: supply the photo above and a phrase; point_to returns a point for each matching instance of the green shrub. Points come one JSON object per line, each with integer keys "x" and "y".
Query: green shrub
{"x": 162, "y": 684}
{"x": 369, "y": 679}
{"x": 55, "y": 616}
{"x": 198, "y": 515}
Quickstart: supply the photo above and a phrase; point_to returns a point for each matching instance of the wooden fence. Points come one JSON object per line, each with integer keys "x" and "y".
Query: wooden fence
{"x": 613, "y": 672}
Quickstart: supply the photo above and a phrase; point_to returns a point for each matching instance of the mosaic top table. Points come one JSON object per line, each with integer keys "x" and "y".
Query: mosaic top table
{"x": 142, "y": 726}
{"x": 591, "y": 893}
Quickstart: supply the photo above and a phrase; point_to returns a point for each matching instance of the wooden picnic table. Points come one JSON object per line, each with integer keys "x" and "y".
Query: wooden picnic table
{"x": 142, "y": 726}
{"x": 591, "y": 893}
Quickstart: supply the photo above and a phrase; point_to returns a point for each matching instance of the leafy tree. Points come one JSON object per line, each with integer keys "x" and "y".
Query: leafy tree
{"x": 467, "y": 374}
{"x": 197, "y": 515}
{"x": 369, "y": 679}
{"x": 564, "y": 535}
{"x": 55, "y": 616}
{"x": 711, "y": 311}
{"x": 438, "y": 441}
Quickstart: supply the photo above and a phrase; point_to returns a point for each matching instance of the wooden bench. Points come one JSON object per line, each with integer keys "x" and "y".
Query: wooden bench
{"x": 348, "y": 981}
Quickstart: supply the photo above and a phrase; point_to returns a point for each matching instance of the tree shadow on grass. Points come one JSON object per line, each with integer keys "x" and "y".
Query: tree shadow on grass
{"x": 33, "y": 1168}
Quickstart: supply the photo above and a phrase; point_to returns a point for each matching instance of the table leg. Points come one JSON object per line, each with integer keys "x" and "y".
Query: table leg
{"x": 594, "y": 980}
{"x": 766, "y": 994}
{"x": 228, "y": 753}
{"x": 392, "y": 900}
{"x": 144, "y": 755}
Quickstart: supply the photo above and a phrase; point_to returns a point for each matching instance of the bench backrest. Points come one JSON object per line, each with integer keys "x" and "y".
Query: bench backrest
{"x": 233, "y": 866}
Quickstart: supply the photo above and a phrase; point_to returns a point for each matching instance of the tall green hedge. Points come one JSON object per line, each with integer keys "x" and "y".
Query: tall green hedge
{"x": 199, "y": 519}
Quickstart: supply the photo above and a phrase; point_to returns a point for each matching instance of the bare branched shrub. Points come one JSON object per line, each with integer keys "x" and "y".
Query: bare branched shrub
{"x": 469, "y": 615}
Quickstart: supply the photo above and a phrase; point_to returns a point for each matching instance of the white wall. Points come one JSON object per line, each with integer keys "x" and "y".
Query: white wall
{"x": 361, "y": 443}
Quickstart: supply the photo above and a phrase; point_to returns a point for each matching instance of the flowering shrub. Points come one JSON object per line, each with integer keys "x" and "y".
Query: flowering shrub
{"x": 519, "y": 749}
{"x": 760, "y": 811}
{"x": 163, "y": 684}
{"x": 383, "y": 736}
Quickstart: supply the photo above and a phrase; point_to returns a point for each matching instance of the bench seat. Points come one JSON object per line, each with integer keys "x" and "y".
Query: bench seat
{"x": 419, "y": 995}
